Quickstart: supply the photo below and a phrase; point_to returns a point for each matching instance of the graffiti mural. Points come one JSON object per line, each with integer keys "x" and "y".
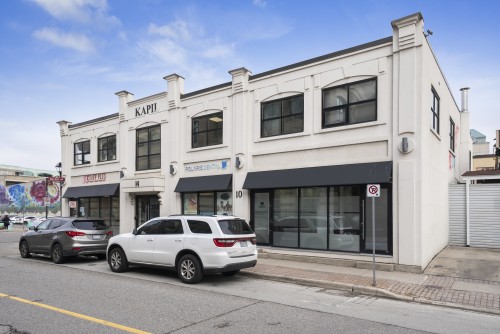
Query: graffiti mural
{"x": 29, "y": 198}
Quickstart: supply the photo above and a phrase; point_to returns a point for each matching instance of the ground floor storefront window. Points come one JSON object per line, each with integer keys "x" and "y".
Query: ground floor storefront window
{"x": 336, "y": 218}
{"x": 107, "y": 208}
{"x": 207, "y": 203}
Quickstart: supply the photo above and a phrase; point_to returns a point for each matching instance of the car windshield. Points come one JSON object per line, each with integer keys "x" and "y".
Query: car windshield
{"x": 235, "y": 226}
{"x": 92, "y": 225}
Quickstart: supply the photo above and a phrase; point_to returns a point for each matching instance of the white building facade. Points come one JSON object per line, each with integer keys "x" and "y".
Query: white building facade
{"x": 291, "y": 150}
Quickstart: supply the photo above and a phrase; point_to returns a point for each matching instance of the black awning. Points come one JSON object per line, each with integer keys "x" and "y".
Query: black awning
{"x": 204, "y": 183}
{"x": 376, "y": 172}
{"x": 92, "y": 191}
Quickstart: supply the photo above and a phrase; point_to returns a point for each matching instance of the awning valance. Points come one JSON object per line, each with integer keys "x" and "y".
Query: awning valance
{"x": 92, "y": 191}
{"x": 375, "y": 172}
{"x": 204, "y": 183}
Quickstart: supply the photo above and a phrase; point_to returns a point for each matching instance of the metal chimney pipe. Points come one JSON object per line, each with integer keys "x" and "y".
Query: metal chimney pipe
{"x": 465, "y": 99}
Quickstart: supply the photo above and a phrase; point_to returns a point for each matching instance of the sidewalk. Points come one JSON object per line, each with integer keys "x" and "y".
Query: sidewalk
{"x": 465, "y": 293}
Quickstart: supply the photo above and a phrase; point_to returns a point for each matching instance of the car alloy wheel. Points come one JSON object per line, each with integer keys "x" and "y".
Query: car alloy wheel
{"x": 189, "y": 269}
{"x": 117, "y": 260}
{"x": 24, "y": 250}
{"x": 57, "y": 254}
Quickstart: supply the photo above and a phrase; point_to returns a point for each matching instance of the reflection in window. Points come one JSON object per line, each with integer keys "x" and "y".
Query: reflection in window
{"x": 285, "y": 218}
{"x": 106, "y": 149}
{"x": 207, "y": 130}
{"x": 82, "y": 153}
{"x": 381, "y": 228}
{"x": 434, "y": 111}
{"x": 350, "y": 104}
{"x": 313, "y": 218}
{"x": 283, "y": 116}
{"x": 206, "y": 201}
{"x": 345, "y": 218}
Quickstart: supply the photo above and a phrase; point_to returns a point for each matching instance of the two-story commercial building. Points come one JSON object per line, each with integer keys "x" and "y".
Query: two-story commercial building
{"x": 292, "y": 150}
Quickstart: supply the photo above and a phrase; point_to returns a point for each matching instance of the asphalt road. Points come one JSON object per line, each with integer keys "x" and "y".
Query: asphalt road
{"x": 37, "y": 296}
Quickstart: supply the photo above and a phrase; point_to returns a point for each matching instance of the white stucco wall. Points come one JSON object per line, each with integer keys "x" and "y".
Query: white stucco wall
{"x": 405, "y": 70}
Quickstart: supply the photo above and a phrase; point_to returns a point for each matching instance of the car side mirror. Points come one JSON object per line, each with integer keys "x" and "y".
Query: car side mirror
{"x": 32, "y": 228}
{"x": 134, "y": 231}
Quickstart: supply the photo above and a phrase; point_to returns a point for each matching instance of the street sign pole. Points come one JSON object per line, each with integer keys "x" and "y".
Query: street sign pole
{"x": 373, "y": 190}
{"x": 374, "y": 283}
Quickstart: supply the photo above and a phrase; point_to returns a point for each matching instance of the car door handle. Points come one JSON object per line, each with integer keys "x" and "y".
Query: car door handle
{"x": 150, "y": 240}
{"x": 178, "y": 240}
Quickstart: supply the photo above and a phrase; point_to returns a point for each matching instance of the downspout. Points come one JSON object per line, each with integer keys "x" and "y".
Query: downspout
{"x": 465, "y": 112}
{"x": 467, "y": 211}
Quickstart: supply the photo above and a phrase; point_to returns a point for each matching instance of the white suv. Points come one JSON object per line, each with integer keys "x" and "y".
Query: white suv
{"x": 192, "y": 245}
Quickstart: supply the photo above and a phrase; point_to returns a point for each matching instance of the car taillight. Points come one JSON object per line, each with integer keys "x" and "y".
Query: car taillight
{"x": 253, "y": 240}
{"x": 73, "y": 234}
{"x": 110, "y": 233}
{"x": 224, "y": 242}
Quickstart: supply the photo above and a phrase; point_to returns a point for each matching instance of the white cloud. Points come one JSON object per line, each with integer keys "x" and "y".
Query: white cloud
{"x": 178, "y": 30}
{"x": 84, "y": 11}
{"x": 77, "y": 42}
{"x": 167, "y": 51}
{"x": 41, "y": 149}
{"x": 181, "y": 44}
{"x": 218, "y": 51}
{"x": 260, "y": 3}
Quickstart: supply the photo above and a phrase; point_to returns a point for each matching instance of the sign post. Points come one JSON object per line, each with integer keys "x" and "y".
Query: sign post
{"x": 373, "y": 190}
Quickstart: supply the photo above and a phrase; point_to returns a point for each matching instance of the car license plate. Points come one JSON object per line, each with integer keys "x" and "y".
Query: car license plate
{"x": 243, "y": 243}
{"x": 96, "y": 236}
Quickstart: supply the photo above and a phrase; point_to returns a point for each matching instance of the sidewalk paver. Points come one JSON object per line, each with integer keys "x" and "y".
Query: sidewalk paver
{"x": 481, "y": 296}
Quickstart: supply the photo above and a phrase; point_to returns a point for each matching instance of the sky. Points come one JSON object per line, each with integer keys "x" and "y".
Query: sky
{"x": 66, "y": 59}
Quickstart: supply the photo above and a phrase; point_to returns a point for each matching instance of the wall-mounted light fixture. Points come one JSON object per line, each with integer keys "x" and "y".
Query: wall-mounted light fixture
{"x": 405, "y": 144}
{"x": 173, "y": 170}
{"x": 240, "y": 162}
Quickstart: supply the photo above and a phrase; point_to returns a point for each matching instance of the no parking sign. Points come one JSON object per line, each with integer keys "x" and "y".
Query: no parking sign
{"x": 373, "y": 190}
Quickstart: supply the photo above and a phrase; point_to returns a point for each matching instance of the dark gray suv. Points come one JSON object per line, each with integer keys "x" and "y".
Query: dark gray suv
{"x": 61, "y": 237}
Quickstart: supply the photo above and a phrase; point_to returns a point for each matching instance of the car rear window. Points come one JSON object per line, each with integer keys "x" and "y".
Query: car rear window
{"x": 235, "y": 226}
{"x": 90, "y": 225}
{"x": 198, "y": 226}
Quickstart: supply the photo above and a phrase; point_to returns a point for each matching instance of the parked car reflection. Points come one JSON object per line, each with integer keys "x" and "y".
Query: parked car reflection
{"x": 342, "y": 234}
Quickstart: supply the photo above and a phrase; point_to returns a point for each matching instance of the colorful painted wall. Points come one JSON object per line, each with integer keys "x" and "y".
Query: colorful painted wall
{"x": 28, "y": 198}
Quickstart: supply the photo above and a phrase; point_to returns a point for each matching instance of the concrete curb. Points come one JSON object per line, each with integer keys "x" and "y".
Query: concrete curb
{"x": 372, "y": 291}
{"x": 363, "y": 290}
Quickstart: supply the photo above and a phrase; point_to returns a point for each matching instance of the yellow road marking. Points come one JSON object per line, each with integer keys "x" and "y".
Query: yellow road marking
{"x": 76, "y": 315}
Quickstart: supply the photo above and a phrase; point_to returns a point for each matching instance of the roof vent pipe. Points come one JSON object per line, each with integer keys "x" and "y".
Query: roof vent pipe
{"x": 465, "y": 99}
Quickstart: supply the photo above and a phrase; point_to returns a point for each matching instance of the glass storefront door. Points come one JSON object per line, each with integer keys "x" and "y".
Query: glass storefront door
{"x": 261, "y": 217}
{"x": 382, "y": 227}
{"x": 345, "y": 217}
{"x": 147, "y": 207}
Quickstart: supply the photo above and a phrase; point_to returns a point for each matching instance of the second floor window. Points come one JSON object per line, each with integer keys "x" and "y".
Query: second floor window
{"x": 281, "y": 117}
{"x": 350, "y": 104}
{"x": 82, "y": 153}
{"x": 435, "y": 111}
{"x": 106, "y": 149}
{"x": 207, "y": 130}
{"x": 452, "y": 135}
{"x": 148, "y": 148}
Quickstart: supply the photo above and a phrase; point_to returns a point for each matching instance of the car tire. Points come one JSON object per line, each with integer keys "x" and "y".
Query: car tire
{"x": 230, "y": 273}
{"x": 101, "y": 256}
{"x": 189, "y": 269}
{"x": 57, "y": 254}
{"x": 24, "y": 249}
{"x": 117, "y": 260}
